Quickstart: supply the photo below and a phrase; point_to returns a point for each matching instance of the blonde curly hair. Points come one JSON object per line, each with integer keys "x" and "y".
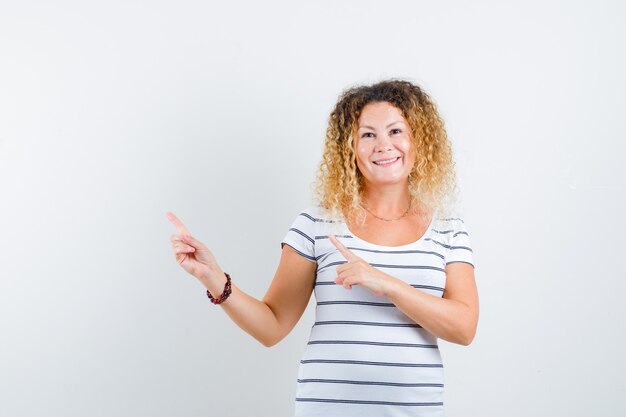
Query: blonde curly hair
{"x": 432, "y": 181}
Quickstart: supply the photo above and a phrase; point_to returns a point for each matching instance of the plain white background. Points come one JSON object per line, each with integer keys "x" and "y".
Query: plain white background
{"x": 112, "y": 113}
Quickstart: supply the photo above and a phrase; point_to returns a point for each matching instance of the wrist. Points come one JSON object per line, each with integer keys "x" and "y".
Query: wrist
{"x": 392, "y": 286}
{"x": 219, "y": 299}
{"x": 213, "y": 279}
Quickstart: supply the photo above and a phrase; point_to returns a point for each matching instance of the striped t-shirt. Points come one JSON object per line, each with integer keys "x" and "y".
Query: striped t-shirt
{"x": 364, "y": 356}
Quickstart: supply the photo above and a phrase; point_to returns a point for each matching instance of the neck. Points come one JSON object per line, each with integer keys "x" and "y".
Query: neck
{"x": 388, "y": 201}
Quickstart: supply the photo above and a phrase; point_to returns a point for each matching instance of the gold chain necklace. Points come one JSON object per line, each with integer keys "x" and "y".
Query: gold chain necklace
{"x": 387, "y": 220}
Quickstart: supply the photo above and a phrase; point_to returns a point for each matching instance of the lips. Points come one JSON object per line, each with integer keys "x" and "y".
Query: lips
{"x": 388, "y": 161}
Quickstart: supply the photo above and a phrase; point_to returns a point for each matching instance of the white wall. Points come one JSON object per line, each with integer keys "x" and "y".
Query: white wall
{"x": 112, "y": 113}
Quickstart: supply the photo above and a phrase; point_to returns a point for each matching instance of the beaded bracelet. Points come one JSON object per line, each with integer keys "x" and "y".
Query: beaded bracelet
{"x": 225, "y": 294}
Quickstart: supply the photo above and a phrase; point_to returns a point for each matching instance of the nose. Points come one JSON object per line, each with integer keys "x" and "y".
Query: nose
{"x": 383, "y": 143}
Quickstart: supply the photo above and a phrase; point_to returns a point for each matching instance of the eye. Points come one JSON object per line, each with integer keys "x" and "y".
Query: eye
{"x": 367, "y": 135}
{"x": 395, "y": 131}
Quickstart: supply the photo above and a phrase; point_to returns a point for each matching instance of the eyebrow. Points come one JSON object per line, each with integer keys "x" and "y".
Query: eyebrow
{"x": 386, "y": 127}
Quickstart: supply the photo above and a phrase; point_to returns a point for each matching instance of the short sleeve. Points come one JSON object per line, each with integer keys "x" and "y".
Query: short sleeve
{"x": 459, "y": 246}
{"x": 301, "y": 235}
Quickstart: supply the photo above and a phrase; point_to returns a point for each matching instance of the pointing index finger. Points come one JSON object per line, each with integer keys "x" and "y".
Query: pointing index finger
{"x": 342, "y": 249}
{"x": 179, "y": 225}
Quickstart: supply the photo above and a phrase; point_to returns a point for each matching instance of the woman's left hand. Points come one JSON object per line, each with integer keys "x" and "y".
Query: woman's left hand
{"x": 358, "y": 272}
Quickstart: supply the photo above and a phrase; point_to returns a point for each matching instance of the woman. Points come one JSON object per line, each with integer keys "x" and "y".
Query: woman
{"x": 391, "y": 268}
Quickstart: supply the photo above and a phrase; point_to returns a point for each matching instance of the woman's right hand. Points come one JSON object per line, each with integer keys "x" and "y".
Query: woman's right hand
{"x": 191, "y": 254}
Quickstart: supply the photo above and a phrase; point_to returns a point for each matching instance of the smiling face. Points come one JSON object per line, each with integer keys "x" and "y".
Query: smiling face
{"x": 384, "y": 154}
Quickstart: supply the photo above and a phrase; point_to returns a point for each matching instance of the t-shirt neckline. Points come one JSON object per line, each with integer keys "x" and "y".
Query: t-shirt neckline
{"x": 422, "y": 238}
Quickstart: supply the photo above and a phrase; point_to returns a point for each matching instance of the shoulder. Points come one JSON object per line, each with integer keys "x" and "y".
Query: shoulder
{"x": 310, "y": 213}
{"x": 449, "y": 228}
{"x": 453, "y": 222}
{"x": 306, "y": 222}
{"x": 318, "y": 214}
{"x": 452, "y": 232}
{"x": 318, "y": 221}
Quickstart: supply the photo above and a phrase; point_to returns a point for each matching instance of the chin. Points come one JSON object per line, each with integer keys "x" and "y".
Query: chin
{"x": 388, "y": 181}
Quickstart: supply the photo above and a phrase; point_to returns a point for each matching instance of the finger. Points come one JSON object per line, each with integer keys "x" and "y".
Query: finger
{"x": 190, "y": 240}
{"x": 351, "y": 274}
{"x": 179, "y": 225}
{"x": 339, "y": 279}
{"x": 346, "y": 283}
{"x": 343, "y": 267}
{"x": 342, "y": 249}
{"x": 180, "y": 246}
{"x": 343, "y": 283}
{"x": 184, "y": 249}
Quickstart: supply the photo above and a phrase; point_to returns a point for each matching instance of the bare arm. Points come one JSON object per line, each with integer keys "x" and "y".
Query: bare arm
{"x": 271, "y": 319}
{"x": 453, "y": 317}
{"x": 268, "y": 320}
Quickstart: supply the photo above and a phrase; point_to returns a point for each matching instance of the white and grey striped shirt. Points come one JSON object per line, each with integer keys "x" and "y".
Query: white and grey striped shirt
{"x": 365, "y": 357}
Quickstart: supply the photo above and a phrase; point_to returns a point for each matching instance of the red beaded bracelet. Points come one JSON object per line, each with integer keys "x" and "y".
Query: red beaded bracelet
{"x": 225, "y": 294}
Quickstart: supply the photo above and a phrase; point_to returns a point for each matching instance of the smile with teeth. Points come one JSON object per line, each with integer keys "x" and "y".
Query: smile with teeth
{"x": 386, "y": 161}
